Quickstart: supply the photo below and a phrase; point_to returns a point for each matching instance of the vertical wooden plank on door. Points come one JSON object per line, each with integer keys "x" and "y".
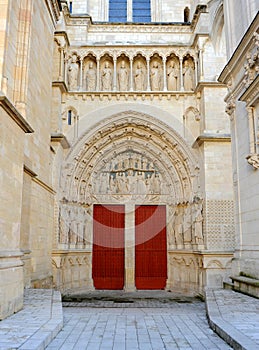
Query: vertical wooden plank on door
{"x": 108, "y": 246}
{"x": 150, "y": 247}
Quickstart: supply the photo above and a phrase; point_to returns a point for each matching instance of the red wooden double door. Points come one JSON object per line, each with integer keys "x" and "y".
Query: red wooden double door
{"x": 109, "y": 247}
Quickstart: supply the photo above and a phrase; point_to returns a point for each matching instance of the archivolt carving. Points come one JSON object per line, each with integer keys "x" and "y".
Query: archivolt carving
{"x": 130, "y": 157}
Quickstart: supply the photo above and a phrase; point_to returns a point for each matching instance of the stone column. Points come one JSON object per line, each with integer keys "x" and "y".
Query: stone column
{"x": 129, "y": 284}
{"x": 201, "y": 78}
{"x": 65, "y": 68}
{"x": 131, "y": 74}
{"x": 164, "y": 69}
{"x": 148, "y": 74}
{"x": 181, "y": 74}
{"x": 81, "y": 75}
{"x": 252, "y": 131}
{"x": 129, "y": 11}
{"x": 115, "y": 74}
{"x": 196, "y": 72}
{"x": 61, "y": 64}
{"x": 98, "y": 75}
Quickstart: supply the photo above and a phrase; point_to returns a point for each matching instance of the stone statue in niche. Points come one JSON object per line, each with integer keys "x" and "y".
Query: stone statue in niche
{"x": 188, "y": 75}
{"x": 155, "y": 77}
{"x": 187, "y": 227}
{"x": 73, "y": 226}
{"x": 123, "y": 77}
{"x": 64, "y": 225}
{"x": 106, "y": 77}
{"x": 91, "y": 77}
{"x": 170, "y": 226}
{"x": 172, "y": 76}
{"x": 139, "y": 77}
{"x": 178, "y": 227}
{"x": 72, "y": 74}
{"x": 81, "y": 226}
{"x": 198, "y": 219}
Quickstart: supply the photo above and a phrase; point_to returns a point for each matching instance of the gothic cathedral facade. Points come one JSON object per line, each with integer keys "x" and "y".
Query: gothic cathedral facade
{"x": 116, "y": 156}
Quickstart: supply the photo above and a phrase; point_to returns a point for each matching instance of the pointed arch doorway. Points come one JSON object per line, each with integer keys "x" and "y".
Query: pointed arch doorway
{"x": 138, "y": 163}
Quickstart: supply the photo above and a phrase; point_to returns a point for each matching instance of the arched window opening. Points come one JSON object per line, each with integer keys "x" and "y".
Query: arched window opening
{"x": 69, "y": 117}
{"x": 70, "y": 6}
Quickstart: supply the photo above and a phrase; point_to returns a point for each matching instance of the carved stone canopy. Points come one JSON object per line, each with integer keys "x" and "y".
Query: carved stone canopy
{"x": 130, "y": 157}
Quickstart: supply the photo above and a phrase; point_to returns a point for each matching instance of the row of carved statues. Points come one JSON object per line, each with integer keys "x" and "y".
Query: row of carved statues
{"x": 184, "y": 225}
{"x": 175, "y": 75}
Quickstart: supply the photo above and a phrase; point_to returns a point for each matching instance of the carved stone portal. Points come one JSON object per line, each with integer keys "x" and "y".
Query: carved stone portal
{"x": 132, "y": 160}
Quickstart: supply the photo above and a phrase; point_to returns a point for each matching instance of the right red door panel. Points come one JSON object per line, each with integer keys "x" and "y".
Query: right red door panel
{"x": 150, "y": 247}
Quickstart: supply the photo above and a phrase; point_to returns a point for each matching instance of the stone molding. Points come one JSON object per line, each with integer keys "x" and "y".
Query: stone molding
{"x": 61, "y": 138}
{"x": 84, "y": 19}
{"x": 9, "y": 108}
{"x": 10, "y": 259}
{"x": 212, "y": 138}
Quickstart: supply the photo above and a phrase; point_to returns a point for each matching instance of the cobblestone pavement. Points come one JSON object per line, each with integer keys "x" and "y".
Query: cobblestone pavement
{"x": 179, "y": 325}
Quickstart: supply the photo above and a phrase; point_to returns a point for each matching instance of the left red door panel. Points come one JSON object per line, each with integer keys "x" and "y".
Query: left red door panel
{"x": 108, "y": 246}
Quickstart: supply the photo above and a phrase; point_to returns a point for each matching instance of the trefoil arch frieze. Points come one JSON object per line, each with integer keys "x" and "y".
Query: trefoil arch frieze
{"x": 152, "y": 61}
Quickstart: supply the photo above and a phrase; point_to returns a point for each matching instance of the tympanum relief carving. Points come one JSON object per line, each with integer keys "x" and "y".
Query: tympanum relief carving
{"x": 129, "y": 173}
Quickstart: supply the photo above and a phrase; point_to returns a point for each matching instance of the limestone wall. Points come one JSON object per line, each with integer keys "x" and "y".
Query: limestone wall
{"x": 241, "y": 75}
{"x": 11, "y": 181}
{"x": 25, "y": 101}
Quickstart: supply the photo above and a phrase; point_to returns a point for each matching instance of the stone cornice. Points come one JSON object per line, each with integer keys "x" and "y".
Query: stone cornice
{"x": 14, "y": 114}
{"x": 208, "y": 84}
{"x": 161, "y": 27}
{"x": 44, "y": 185}
{"x": 211, "y": 138}
{"x": 64, "y": 34}
{"x": 239, "y": 54}
{"x": 59, "y": 137}
{"x": 129, "y": 96}
{"x": 29, "y": 171}
{"x": 61, "y": 84}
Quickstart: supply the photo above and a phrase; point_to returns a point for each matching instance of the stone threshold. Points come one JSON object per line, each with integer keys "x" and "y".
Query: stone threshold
{"x": 223, "y": 328}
